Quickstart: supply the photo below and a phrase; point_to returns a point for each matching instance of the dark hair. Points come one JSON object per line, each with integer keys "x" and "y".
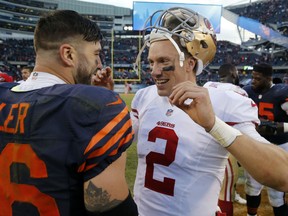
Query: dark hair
{"x": 227, "y": 69}
{"x": 229, "y": 73}
{"x": 30, "y": 68}
{"x": 263, "y": 68}
{"x": 61, "y": 26}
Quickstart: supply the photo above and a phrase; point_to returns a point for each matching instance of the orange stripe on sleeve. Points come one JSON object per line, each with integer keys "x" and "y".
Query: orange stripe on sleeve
{"x": 102, "y": 133}
{"x": 122, "y": 142}
{"x": 90, "y": 167}
{"x": 114, "y": 152}
{"x": 81, "y": 168}
{"x": 111, "y": 141}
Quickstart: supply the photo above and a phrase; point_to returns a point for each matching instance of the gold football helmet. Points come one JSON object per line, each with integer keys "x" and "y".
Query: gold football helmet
{"x": 195, "y": 34}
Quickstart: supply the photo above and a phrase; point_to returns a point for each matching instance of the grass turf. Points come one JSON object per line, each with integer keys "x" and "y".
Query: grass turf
{"x": 131, "y": 164}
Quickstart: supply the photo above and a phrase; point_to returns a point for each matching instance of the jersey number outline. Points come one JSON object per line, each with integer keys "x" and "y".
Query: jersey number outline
{"x": 167, "y": 185}
{"x": 12, "y": 192}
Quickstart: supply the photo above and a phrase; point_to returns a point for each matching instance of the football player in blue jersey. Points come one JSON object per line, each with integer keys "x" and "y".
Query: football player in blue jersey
{"x": 62, "y": 143}
{"x": 272, "y": 102}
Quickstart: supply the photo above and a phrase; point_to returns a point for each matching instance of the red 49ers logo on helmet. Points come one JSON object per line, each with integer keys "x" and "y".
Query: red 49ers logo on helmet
{"x": 208, "y": 24}
{"x": 210, "y": 27}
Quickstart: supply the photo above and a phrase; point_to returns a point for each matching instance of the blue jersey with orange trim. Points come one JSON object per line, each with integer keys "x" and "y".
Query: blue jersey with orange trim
{"x": 54, "y": 139}
{"x": 269, "y": 107}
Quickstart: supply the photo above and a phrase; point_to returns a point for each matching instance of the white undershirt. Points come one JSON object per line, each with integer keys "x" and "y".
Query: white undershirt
{"x": 38, "y": 80}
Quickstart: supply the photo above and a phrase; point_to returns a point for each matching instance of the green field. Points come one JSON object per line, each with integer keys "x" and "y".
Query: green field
{"x": 131, "y": 165}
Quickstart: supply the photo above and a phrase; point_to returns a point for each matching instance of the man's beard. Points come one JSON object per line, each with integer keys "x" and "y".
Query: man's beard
{"x": 83, "y": 76}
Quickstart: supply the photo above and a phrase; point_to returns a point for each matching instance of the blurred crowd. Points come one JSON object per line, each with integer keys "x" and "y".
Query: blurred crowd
{"x": 273, "y": 13}
{"x": 15, "y": 54}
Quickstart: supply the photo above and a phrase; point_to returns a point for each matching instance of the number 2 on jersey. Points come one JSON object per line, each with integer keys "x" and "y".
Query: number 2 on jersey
{"x": 167, "y": 185}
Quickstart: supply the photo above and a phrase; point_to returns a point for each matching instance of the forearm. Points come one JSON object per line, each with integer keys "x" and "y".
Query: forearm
{"x": 267, "y": 163}
{"x": 127, "y": 208}
{"x": 109, "y": 191}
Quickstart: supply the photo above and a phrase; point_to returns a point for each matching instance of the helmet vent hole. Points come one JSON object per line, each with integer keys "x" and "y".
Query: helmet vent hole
{"x": 204, "y": 44}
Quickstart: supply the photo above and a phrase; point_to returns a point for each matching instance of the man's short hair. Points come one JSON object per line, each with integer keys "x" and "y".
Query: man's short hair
{"x": 227, "y": 69}
{"x": 63, "y": 26}
{"x": 30, "y": 68}
{"x": 263, "y": 68}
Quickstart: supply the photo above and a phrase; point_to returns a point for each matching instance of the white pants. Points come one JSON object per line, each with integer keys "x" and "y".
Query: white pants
{"x": 254, "y": 188}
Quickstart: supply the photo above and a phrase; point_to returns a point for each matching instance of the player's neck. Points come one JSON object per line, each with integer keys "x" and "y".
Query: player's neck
{"x": 267, "y": 88}
{"x": 61, "y": 73}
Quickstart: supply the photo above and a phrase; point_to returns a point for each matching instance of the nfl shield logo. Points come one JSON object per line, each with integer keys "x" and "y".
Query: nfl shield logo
{"x": 169, "y": 112}
{"x": 34, "y": 76}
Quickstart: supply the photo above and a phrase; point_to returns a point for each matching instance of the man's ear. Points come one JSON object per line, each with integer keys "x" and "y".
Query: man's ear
{"x": 191, "y": 63}
{"x": 67, "y": 54}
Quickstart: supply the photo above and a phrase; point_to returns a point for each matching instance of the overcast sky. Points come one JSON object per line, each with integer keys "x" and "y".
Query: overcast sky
{"x": 228, "y": 30}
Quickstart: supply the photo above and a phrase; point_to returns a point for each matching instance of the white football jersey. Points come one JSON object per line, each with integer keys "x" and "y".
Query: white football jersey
{"x": 180, "y": 166}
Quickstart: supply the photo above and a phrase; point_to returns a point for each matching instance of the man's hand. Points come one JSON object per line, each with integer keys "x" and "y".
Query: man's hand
{"x": 103, "y": 77}
{"x": 269, "y": 128}
{"x": 200, "y": 108}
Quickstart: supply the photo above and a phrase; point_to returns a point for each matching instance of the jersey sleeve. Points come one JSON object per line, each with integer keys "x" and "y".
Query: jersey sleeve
{"x": 134, "y": 114}
{"x": 284, "y": 91}
{"x": 226, "y": 87}
{"x": 140, "y": 101}
{"x": 250, "y": 130}
{"x": 107, "y": 133}
{"x": 135, "y": 124}
{"x": 284, "y": 107}
{"x": 233, "y": 108}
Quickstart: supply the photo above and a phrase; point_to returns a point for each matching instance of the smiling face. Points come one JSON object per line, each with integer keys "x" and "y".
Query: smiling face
{"x": 165, "y": 67}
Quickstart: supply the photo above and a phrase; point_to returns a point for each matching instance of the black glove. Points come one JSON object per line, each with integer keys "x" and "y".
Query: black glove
{"x": 270, "y": 128}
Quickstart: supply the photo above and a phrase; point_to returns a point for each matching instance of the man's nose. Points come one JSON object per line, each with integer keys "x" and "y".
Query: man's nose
{"x": 156, "y": 70}
{"x": 99, "y": 63}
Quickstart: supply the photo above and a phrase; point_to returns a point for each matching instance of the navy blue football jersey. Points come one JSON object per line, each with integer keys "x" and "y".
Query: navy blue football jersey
{"x": 269, "y": 107}
{"x": 52, "y": 140}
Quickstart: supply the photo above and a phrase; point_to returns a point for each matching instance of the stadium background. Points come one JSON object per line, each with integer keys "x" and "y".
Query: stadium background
{"x": 121, "y": 45}
{"x": 18, "y": 19}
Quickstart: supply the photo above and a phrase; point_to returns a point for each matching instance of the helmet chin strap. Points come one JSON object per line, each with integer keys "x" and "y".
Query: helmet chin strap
{"x": 181, "y": 54}
{"x": 199, "y": 67}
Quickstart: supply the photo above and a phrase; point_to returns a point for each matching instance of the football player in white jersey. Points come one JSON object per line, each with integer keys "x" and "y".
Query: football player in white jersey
{"x": 176, "y": 156}
{"x": 180, "y": 165}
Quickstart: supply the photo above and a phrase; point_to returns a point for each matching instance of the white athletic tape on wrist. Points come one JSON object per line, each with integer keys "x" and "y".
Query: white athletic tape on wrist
{"x": 223, "y": 133}
{"x": 285, "y": 125}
